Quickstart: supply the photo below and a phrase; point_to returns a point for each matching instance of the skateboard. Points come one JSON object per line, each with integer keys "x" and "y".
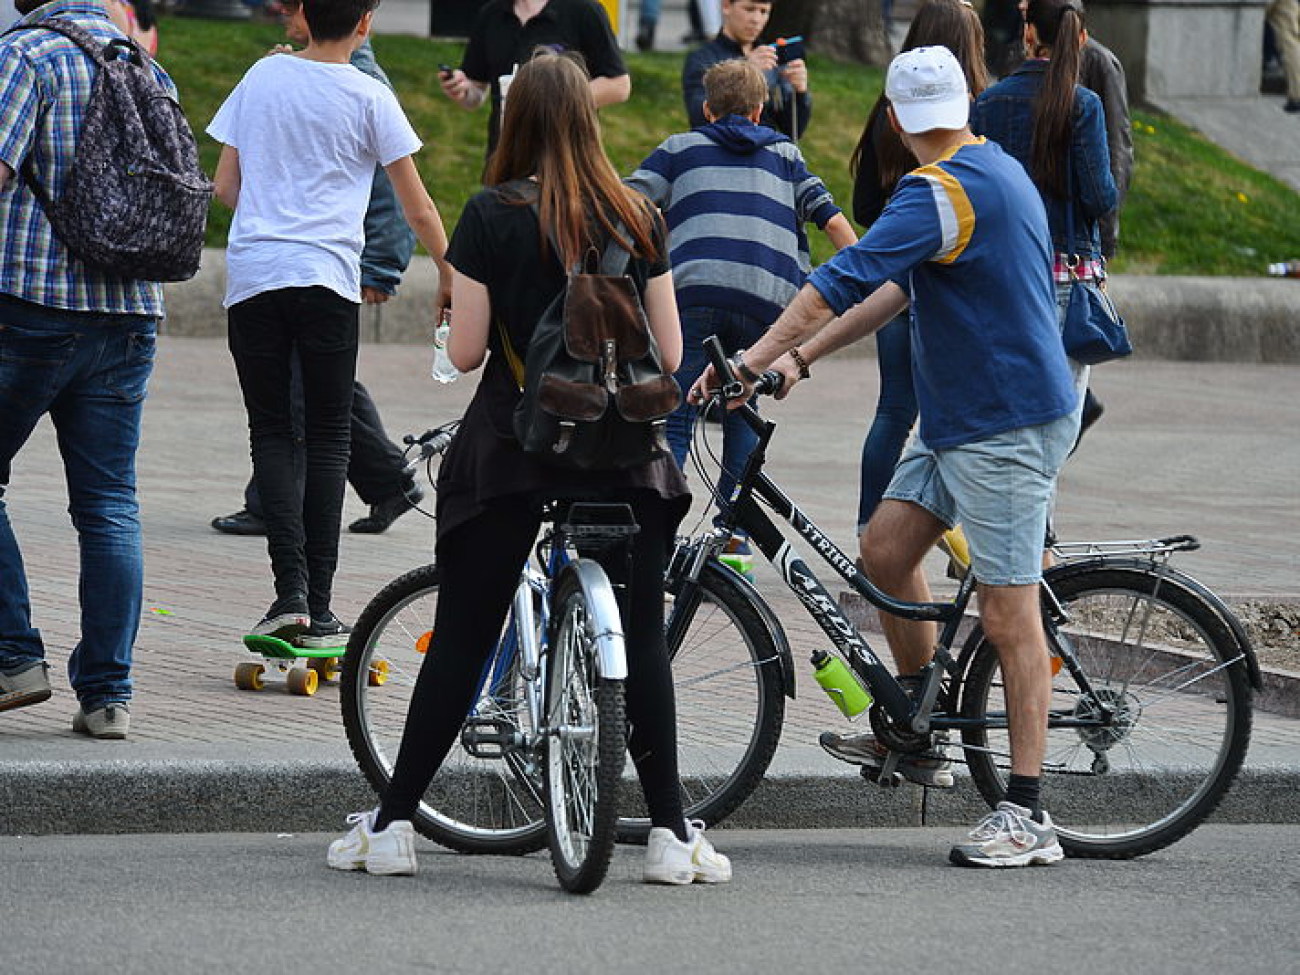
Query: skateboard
{"x": 280, "y": 660}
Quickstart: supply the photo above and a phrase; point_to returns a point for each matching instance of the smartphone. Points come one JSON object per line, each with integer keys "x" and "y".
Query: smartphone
{"x": 789, "y": 49}
{"x": 444, "y": 70}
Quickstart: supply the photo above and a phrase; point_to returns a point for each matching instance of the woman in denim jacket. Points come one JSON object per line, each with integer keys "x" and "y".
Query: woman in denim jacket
{"x": 1056, "y": 129}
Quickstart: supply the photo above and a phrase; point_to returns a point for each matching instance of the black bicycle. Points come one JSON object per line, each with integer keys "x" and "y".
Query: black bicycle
{"x": 1151, "y": 693}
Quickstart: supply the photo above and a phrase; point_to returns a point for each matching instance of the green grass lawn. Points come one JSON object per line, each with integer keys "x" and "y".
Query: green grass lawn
{"x": 1192, "y": 209}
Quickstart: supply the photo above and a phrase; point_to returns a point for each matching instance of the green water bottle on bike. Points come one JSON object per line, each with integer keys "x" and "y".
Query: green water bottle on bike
{"x": 840, "y": 683}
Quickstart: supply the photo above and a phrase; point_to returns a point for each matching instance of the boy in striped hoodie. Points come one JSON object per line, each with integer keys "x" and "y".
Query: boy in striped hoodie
{"x": 736, "y": 196}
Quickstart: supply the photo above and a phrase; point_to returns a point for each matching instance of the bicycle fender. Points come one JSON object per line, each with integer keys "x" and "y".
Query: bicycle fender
{"x": 774, "y": 628}
{"x": 1197, "y": 589}
{"x": 606, "y": 619}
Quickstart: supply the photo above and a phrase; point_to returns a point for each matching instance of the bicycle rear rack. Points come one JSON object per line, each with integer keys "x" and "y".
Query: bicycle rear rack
{"x": 1152, "y": 548}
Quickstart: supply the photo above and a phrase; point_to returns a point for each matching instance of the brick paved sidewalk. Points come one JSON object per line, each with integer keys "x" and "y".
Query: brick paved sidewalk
{"x": 1206, "y": 449}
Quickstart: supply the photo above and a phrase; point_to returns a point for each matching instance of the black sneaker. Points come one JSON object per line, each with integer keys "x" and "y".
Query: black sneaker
{"x": 383, "y": 514}
{"x": 242, "y": 522}
{"x": 286, "y": 619}
{"x": 325, "y": 633}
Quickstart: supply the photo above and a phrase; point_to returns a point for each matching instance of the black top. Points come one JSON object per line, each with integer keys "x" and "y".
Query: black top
{"x": 499, "y": 42}
{"x": 785, "y": 110}
{"x": 498, "y": 244}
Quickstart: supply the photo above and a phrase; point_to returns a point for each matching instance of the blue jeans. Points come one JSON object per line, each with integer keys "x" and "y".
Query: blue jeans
{"x": 735, "y": 331}
{"x": 88, "y": 371}
{"x": 895, "y": 415}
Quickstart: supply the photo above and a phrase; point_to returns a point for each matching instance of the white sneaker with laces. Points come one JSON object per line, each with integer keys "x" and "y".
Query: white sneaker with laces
{"x": 1009, "y": 837}
{"x": 390, "y": 852}
{"x": 670, "y": 861}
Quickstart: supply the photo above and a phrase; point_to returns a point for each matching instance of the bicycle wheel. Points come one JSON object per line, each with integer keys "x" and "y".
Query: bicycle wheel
{"x": 730, "y": 698}
{"x": 487, "y": 796}
{"x": 1161, "y": 658}
{"x": 586, "y": 736}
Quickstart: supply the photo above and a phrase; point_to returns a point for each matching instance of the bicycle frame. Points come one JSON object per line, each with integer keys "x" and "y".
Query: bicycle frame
{"x": 743, "y": 511}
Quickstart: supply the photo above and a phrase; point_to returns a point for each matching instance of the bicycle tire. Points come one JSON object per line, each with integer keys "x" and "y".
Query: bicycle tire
{"x": 586, "y": 735}
{"x": 473, "y": 804}
{"x": 730, "y": 698}
{"x": 1162, "y": 656}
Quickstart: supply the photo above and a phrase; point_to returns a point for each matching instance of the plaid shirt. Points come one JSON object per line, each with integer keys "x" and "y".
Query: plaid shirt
{"x": 45, "y": 82}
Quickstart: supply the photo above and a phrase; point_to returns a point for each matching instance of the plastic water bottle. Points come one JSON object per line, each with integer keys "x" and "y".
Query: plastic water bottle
{"x": 443, "y": 370}
{"x": 840, "y": 683}
{"x": 1285, "y": 269}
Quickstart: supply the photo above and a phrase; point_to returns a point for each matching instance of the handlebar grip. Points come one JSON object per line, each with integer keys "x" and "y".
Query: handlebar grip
{"x": 770, "y": 383}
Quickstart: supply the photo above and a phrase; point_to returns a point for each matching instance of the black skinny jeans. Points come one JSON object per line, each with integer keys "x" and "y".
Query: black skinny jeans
{"x": 376, "y": 467}
{"x": 302, "y": 523}
{"x": 480, "y": 563}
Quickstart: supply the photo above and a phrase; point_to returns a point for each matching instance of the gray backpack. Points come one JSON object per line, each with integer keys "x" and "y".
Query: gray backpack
{"x": 135, "y": 201}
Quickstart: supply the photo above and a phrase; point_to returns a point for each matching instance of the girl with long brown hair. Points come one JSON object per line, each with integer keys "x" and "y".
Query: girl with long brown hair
{"x": 510, "y": 262}
{"x": 1057, "y": 130}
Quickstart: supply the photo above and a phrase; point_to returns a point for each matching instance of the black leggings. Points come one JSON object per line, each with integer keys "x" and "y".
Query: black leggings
{"x": 480, "y": 563}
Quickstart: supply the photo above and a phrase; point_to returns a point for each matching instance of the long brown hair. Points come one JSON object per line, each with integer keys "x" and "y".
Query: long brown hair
{"x": 1059, "y": 24}
{"x": 953, "y": 24}
{"x": 549, "y": 131}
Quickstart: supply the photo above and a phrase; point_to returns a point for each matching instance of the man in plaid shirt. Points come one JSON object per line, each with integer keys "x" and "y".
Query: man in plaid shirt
{"x": 78, "y": 345}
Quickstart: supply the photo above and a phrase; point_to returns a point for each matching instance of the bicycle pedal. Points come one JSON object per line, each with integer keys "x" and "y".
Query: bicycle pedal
{"x": 489, "y": 737}
{"x": 891, "y": 781}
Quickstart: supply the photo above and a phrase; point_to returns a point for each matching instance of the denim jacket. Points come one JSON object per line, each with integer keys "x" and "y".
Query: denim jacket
{"x": 1005, "y": 114}
{"x": 389, "y": 241}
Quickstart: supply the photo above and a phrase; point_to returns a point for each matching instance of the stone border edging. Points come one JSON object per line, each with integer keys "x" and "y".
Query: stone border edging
{"x": 1198, "y": 319}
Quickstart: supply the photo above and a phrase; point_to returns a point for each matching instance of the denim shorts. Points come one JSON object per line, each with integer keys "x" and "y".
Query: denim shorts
{"x": 998, "y": 489}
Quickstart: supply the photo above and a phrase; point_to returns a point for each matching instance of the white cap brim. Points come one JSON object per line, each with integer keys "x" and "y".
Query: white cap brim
{"x": 948, "y": 113}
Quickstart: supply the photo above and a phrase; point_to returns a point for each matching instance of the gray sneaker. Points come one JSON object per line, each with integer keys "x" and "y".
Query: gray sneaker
{"x": 1009, "y": 837}
{"x": 27, "y": 683}
{"x": 112, "y": 721}
{"x": 929, "y": 768}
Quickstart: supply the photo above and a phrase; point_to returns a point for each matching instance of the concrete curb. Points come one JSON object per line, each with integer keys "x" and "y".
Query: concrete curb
{"x": 294, "y": 797}
{"x": 1193, "y": 319}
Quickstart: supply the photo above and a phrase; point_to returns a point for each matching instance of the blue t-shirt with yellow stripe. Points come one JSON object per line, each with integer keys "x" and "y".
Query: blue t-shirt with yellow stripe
{"x": 966, "y": 237}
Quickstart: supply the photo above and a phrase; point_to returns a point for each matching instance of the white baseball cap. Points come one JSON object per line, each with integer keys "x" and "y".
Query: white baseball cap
{"x": 927, "y": 90}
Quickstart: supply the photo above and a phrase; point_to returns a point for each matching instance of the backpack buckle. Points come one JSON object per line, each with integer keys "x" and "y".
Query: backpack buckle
{"x": 609, "y": 365}
{"x": 567, "y": 430}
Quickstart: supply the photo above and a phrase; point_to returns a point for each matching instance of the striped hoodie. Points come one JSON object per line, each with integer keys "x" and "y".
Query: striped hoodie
{"x": 736, "y": 197}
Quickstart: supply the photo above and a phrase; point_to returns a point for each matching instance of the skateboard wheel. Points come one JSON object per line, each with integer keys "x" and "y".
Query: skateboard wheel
{"x": 327, "y": 668}
{"x": 302, "y": 681}
{"x": 248, "y": 677}
{"x": 377, "y": 676}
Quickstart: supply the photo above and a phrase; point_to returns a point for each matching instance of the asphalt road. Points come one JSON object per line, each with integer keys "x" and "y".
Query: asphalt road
{"x": 817, "y": 901}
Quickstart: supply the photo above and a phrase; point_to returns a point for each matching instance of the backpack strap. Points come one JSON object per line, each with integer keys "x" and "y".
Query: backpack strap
{"x": 101, "y": 52}
{"x": 98, "y": 51}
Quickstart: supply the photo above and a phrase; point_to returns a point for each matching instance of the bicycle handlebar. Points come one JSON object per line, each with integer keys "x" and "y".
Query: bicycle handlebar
{"x": 431, "y": 442}
{"x": 769, "y": 384}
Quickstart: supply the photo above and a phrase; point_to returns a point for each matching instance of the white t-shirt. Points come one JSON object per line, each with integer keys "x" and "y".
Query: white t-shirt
{"x": 309, "y": 136}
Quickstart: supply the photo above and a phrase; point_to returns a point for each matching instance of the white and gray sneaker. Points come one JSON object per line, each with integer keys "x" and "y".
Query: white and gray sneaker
{"x": 930, "y": 767}
{"x": 1009, "y": 837}
{"x": 27, "y": 683}
{"x": 670, "y": 861}
{"x": 112, "y": 721}
{"x": 390, "y": 852}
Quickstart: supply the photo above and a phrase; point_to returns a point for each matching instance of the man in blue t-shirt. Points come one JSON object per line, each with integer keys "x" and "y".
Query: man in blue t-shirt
{"x": 964, "y": 240}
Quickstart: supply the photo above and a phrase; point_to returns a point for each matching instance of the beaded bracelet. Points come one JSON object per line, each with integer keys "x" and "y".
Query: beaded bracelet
{"x": 800, "y": 361}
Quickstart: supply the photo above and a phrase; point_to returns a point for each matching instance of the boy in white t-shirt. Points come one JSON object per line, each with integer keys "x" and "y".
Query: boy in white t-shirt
{"x": 301, "y": 137}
